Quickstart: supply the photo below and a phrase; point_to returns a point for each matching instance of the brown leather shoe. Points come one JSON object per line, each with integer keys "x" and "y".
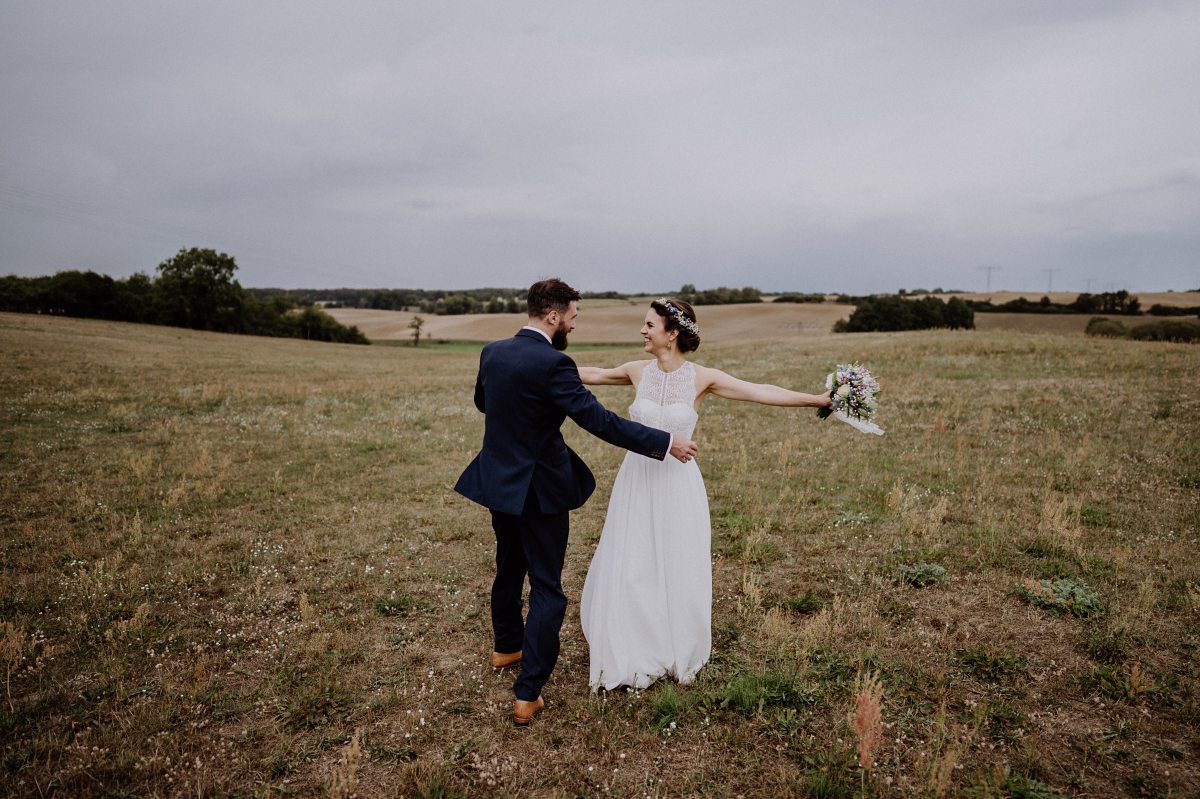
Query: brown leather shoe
{"x": 501, "y": 662}
{"x": 524, "y": 712}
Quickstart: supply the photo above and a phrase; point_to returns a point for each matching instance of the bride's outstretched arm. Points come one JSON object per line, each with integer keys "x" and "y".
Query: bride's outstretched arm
{"x": 596, "y": 376}
{"x": 730, "y": 387}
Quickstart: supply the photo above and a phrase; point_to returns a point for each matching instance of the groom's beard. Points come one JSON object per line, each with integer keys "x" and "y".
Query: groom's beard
{"x": 559, "y": 338}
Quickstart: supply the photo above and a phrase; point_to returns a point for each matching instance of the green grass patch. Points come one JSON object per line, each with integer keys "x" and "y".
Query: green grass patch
{"x": 1132, "y": 683}
{"x": 1004, "y": 783}
{"x": 991, "y": 664}
{"x": 397, "y": 603}
{"x": 799, "y": 605}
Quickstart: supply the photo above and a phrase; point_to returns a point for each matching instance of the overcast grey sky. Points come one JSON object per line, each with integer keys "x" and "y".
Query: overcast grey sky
{"x": 635, "y": 146}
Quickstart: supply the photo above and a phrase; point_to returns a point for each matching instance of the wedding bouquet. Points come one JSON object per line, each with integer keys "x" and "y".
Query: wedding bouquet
{"x": 854, "y": 393}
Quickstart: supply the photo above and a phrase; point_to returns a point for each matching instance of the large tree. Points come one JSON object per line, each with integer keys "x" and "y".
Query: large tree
{"x": 197, "y": 290}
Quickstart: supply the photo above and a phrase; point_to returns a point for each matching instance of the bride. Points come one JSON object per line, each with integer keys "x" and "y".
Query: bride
{"x": 646, "y": 608}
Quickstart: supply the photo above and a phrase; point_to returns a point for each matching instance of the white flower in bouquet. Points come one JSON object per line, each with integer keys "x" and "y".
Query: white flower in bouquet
{"x": 854, "y": 397}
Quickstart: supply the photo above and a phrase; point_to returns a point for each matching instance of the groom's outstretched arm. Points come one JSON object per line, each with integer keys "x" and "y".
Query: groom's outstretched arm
{"x": 568, "y": 393}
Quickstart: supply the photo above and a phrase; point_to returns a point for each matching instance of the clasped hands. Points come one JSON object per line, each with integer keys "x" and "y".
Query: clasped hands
{"x": 683, "y": 449}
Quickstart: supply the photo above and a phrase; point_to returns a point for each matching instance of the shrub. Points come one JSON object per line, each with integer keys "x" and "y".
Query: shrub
{"x": 882, "y": 313}
{"x": 1061, "y": 597}
{"x": 1103, "y": 326}
{"x": 315, "y": 325}
{"x": 1167, "y": 330}
{"x": 922, "y": 575}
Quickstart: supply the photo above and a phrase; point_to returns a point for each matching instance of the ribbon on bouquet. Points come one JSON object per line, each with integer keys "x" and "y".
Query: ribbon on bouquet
{"x": 858, "y": 424}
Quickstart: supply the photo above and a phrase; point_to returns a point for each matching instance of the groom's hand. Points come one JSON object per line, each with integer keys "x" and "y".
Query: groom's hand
{"x": 683, "y": 449}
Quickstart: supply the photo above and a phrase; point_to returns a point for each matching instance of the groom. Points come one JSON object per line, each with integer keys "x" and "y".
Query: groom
{"x": 529, "y": 479}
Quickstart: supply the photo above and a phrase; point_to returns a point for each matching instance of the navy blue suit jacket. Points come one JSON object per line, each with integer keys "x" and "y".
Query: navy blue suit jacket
{"x": 525, "y": 389}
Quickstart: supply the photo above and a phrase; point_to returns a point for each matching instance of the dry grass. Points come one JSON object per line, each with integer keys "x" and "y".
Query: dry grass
{"x": 236, "y": 565}
{"x": 1059, "y": 324}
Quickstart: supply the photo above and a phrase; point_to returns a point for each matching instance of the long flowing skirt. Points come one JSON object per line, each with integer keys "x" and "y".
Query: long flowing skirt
{"x": 646, "y": 609}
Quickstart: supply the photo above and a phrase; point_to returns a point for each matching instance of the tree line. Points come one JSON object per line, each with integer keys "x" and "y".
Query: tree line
{"x": 800, "y": 298}
{"x": 494, "y": 300}
{"x": 901, "y": 312}
{"x": 894, "y": 312}
{"x": 1179, "y": 330}
{"x": 722, "y": 295}
{"x": 194, "y": 289}
{"x": 427, "y": 301}
{"x": 1112, "y": 302}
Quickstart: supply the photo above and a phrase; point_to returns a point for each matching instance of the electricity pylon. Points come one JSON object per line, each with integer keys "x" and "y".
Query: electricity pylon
{"x": 989, "y": 270}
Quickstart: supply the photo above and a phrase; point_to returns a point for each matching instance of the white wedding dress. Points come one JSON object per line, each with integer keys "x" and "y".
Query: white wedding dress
{"x": 646, "y": 609}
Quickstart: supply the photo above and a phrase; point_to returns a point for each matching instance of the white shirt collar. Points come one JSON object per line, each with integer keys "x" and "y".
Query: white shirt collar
{"x": 539, "y": 330}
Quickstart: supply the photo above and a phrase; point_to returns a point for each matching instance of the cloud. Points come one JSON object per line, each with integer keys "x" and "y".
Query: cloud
{"x": 627, "y": 146}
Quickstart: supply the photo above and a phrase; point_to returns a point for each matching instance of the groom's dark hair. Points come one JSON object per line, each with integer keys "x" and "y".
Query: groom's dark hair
{"x": 549, "y": 295}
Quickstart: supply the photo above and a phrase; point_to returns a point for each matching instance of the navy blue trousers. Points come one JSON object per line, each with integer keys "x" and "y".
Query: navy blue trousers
{"x": 533, "y": 544}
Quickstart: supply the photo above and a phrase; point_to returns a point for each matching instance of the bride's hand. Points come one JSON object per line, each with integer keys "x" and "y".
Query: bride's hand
{"x": 683, "y": 449}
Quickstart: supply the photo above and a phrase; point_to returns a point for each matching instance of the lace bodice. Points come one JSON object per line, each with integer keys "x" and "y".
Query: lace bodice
{"x": 666, "y": 400}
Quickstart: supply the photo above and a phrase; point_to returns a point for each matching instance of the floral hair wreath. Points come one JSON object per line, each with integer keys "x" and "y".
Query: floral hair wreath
{"x": 684, "y": 322}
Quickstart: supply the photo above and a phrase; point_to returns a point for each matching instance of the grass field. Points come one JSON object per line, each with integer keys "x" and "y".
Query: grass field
{"x": 235, "y": 566}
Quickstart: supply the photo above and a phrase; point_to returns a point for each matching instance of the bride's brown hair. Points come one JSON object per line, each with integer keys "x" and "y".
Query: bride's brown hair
{"x": 687, "y": 340}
